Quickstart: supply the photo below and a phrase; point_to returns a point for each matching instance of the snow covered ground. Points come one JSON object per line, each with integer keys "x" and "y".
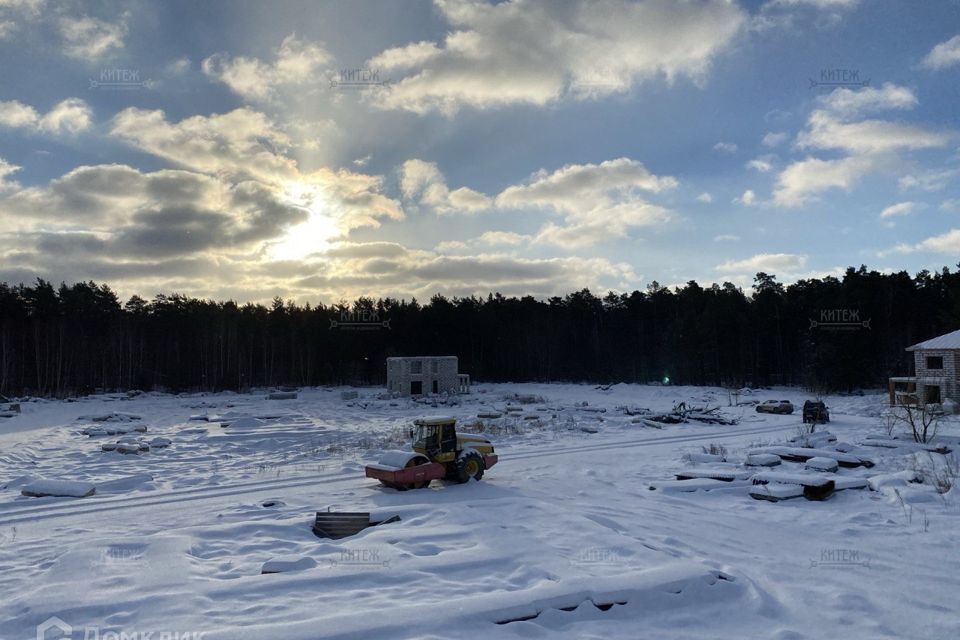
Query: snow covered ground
{"x": 563, "y": 538}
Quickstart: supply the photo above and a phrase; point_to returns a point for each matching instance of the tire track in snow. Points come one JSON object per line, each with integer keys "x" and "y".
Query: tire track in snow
{"x": 95, "y": 506}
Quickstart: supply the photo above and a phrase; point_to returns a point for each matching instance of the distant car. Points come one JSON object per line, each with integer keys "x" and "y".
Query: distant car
{"x": 784, "y": 407}
{"x": 815, "y": 412}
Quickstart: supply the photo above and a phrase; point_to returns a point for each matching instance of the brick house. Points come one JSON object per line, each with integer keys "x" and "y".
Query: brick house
{"x": 937, "y": 366}
{"x": 418, "y": 375}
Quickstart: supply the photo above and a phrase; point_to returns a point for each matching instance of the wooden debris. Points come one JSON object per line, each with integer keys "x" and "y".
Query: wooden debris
{"x": 724, "y": 475}
{"x": 762, "y": 460}
{"x": 64, "y": 488}
{"x": 822, "y": 464}
{"x": 890, "y": 443}
{"x": 776, "y": 492}
{"x": 802, "y": 454}
{"x": 697, "y": 484}
{"x": 647, "y": 423}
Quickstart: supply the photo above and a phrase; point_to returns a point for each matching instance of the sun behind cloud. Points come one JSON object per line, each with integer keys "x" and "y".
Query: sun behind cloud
{"x": 313, "y": 235}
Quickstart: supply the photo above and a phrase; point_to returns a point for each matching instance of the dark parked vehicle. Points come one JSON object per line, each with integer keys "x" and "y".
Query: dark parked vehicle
{"x": 815, "y": 412}
{"x": 784, "y": 407}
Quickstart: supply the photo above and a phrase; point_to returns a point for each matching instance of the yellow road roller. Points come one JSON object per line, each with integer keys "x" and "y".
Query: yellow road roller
{"x": 438, "y": 452}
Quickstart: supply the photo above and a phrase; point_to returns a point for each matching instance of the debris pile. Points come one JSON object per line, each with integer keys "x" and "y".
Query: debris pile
{"x": 681, "y": 414}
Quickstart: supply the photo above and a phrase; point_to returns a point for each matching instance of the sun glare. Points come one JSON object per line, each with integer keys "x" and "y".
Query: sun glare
{"x": 310, "y": 236}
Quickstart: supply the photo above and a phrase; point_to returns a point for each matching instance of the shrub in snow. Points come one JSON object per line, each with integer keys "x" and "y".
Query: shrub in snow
{"x": 923, "y": 420}
{"x": 716, "y": 450}
{"x": 703, "y": 457}
{"x": 941, "y": 471}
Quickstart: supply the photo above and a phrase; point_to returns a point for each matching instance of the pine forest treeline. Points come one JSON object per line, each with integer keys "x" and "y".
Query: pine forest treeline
{"x": 74, "y": 339}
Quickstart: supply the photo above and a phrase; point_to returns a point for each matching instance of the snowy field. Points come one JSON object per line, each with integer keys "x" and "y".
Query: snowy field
{"x": 565, "y": 537}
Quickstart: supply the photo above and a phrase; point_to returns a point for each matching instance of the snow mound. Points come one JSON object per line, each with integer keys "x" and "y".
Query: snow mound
{"x": 822, "y": 464}
{"x": 114, "y": 430}
{"x": 897, "y": 479}
{"x": 762, "y": 460}
{"x": 68, "y": 488}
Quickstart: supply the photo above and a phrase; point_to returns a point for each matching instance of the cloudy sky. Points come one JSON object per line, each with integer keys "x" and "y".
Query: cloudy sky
{"x": 404, "y": 148}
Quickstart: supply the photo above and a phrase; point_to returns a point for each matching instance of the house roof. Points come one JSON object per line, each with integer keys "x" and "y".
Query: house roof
{"x": 946, "y": 341}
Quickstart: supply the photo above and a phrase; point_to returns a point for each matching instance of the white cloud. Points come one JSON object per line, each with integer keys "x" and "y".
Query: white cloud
{"x": 14, "y": 13}
{"x": 242, "y": 140}
{"x": 602, "y": 223}
{"x": 773, "y": 139}
{"x": 90, "y": 39}
{"x": 574, "y": 188}
{"x": 726, "y": 237}
{"x": 785, "y": 14}
{"x": 805, "y": 179}
{"x": 423, "y": 181}
{"x": 930, "y": 180}
{"x": 15, "y": 114}
{"x": 766, "y": 262}
{"x": 901, "y": 209}
{"x": 946, "y": 54}
{"x": 536, "y": 52}
{"x": 451, "y": 245}
{"x": 952, "y": 205}
{"x": 819, "y": 4}
{"x": 705, "y": 198}
{"x": 847, "y": 103}
{"x": 763, "y": 164}
{"x": 598, "y": 201}
{"x": 246, "y": 145}
{"x": 178, "y": 67}
{"x": 870, "y": 145}
{"x": 948, "y": 243}
{"x": 70, "y": 116}
{"x": 204, "y": 236}
{"x": 502, "y": 238}
{"x": 380, "y": 269}
{"x": 295, "y": 64}
{"x": 7, "y": 169}
{"x": 725, "y": 147}
{"x": 749, "y": 198}
{"x": 868, "y": 136}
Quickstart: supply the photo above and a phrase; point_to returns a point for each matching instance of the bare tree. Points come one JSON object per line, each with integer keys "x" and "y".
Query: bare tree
{"x": 923, "y": 420}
